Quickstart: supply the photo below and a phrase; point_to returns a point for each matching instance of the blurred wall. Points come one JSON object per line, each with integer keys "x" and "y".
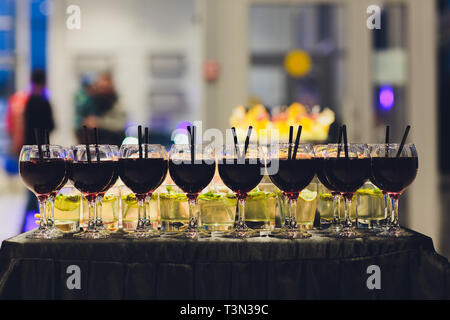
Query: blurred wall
{"x": 126, "y": 33}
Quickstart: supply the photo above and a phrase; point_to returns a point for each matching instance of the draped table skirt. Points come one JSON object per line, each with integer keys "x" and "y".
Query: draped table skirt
{"x": 257, "y": 268}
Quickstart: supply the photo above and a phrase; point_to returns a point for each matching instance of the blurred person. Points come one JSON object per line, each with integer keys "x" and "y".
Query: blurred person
{"x": 98, "y": 106}
{"x": 38, "y": 111}
{"x": 14, "y": 120}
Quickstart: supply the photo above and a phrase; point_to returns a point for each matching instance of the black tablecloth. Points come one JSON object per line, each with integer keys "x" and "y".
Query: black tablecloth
{"x": 257, "y": 268}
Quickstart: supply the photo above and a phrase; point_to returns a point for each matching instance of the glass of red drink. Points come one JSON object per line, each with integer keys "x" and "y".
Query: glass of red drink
{"x": 393, "y": 170}
{"x": 192, "y": 172}
{"x": 91, "y": 170}
{"x": 241, "y": 172}
{"x": 295, "y": 172}
{"x": 347, "y": 168}
{"x": 43, "y": 170}
{"x": 143, "y": 169}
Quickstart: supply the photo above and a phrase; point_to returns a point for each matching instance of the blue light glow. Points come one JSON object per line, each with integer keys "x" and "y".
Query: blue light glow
{"x": 386, "y": 97}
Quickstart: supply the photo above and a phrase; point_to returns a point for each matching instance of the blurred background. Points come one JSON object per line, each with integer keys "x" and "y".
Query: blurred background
{"x": 114, "y": 64}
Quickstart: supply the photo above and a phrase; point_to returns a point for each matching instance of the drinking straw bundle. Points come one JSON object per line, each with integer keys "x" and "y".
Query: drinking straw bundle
{"x": 240, "y": 155}
{"x": 86, "y": 143}
{"x": 192, "y": 142}
{"x": 297, "y": 141}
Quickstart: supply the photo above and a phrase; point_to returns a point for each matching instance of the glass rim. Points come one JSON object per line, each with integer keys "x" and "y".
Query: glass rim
{"x": 251, "y": 144}
{"x": 390, "y": 144}
{"x": 189, "y": 145}
{"x": 90, "y": 144}
{"x": 36, "y": 146}
{"x": 291, "y": 144}
{"x": 349, "y": 144}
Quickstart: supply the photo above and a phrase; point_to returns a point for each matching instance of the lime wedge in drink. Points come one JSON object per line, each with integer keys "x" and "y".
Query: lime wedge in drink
{"x": 308, "y": 195}
{"x": 370, "y": 192}
{"x": 108, "y": 199}
{"x": 130, "y": 200}
{"x": 67, "y": 203}
{"x": 326, "y": 196}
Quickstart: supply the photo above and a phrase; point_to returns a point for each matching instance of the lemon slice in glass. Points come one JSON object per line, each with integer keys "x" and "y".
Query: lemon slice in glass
{"x": 67, "y": 203}
{"x": 308, "y": 195}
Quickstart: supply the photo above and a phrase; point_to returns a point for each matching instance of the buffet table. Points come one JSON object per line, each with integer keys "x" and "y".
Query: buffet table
{"x": 258, "y": 268}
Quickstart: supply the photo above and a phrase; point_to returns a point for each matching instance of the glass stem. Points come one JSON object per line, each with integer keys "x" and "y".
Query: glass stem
{"x": 348, "y": 205}
{"x": 336, "y": 219}
{"x": 147, "y": 218}
{"x": 387, "y": 215}
{"x": 293, "y": 213}
{"x": 141, "y": 213}
{"x": 92, "y": 213}
{"x": 241, "y": 225}
{"x": 99, "y": 211}
{"x": 51, "y": 218}
{"x": 395, "y": 221}
{"x": 43, "y": 211}
{"x": 287, "y": 212}
{"x": 193, "y": 216}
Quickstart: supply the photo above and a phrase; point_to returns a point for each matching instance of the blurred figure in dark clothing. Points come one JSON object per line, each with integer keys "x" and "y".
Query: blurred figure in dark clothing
{"x": 38, "y": 112}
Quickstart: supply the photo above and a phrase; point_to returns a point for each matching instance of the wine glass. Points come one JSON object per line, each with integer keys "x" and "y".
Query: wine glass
{"x": 43, "y": 173}
{"x": 241, "y": 173}
{"x": 192, "y": 169}
{"x": 347, "y": 167}
{"x": 394, "y": 168}
{"x": 91, "y": 170}
{"x": 99, "y": 200}
{"x": 142, "y": 168}
{"x": 320, "y": 152}
{"x": 295, "y": 171}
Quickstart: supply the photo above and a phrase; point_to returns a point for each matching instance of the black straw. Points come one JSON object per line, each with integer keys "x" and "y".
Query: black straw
{"x": 140, "y": 141}
{"x": 233, "y": 129}
{"x": 291, "y": 133}
{"x": 386, "y": 141}
{"x": 97, "y": 152}
{"x": 339, "y": 142}
{"x": 47, "y": 143}
{"x": 193, "y": 145}
{"x": 88, "y": 151}
{"x": 344, "y": 131}
{"x": 297, "y": 141}
{"x": 402, "y": 144}
{"x": 247, "y": 141}
{"x": 38, "y": 142}
{"x": 146, "y": 139}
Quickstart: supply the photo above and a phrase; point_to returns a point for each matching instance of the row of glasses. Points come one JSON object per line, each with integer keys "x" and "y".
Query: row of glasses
{"x": 93, "y": 169}
{"x": 390, "y": 167}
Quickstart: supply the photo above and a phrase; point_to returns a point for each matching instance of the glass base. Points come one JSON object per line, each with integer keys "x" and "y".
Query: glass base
{"x": 91, "y": 234}
{"x": 142, "y": 234}
{"x": 292, "y": 234}
{"x": 347, "y": 233}
{"x": 191, "y": 235}
{"x": 393, "y": 232}
{"x": 241, "y": 234}
{"x": 46, "y": 233}
{"x": 101, "y": 228}
{"x": 171, "y": 234}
